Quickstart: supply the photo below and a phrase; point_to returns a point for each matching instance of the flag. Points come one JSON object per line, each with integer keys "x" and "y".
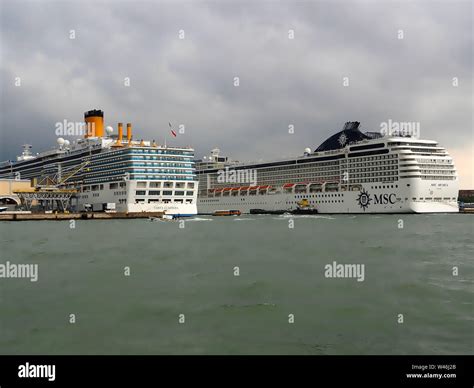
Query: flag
{"x": 172, "y": 132}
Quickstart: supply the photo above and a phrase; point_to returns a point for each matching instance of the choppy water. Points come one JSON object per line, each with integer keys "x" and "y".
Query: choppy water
{"x": 190, "y": 271}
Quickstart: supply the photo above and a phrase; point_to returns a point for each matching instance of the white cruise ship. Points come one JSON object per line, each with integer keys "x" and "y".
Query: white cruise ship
{"x": 113, "y": 171}
{"x": 350, "y": 172}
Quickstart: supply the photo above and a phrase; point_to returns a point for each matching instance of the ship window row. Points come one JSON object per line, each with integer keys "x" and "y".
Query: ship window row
{"x": 374, "y": 174}
{"x": 435, "y": 199}
{"x": 385, "y": 168}
{"x": 153, "y": 164}
{"x": 437, "y": 166}
{"x": 372, "y": 158}
{"x": 284, "y": 176}
{"x": 427, "y": 150}
{"x": 385, "y": 187}
{"x": 128, "y": 162}
{"x": 319, "y": 196}
{"x": 164, "y": 192}
{"x": 378, "y": 179}
{"x": 164, "y": 200}
{"x": 178, "y": 185}
{"x": 416, "y": 170}
{"x": 122, "y": 173}
{"x": 437, "y": 177}
{"x": 106, "y": 159}
{"x": 294, "y": 166}
{"x": 286, "y": 169}
{"x": 446, "y": 172}
{"x": 142, "y": 177}
{"x": 309, "y": 166}
{"x": 439, "y": 154}
{"x": 436, "y": 161}
{"x": 139, "y": 157}
{"x": 133, "y": 168}
{"x": 162, "y": 177}
{"x": 101, "y": 186}
{"x": 158, "y": 151}
{"x": 412, "y": 144}
{"x": 385, "y": 163}
{"x": 430, "y": 177}
{"x": 161, "y": 171}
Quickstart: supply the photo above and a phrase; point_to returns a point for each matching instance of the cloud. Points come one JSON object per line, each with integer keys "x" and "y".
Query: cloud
{"x": 282, "y": 81}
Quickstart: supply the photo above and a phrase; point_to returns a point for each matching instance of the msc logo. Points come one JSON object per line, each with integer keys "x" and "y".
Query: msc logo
{"x": 364, "y": 199}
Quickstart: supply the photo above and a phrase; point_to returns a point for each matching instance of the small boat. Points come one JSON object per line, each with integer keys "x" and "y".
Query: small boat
{"x": 262, "y": 211}
{"x": 227, "y": 213}
{"x": 307, "y": 210}
{"x": 164, "y": 217}
{"x": 304, "y": 208}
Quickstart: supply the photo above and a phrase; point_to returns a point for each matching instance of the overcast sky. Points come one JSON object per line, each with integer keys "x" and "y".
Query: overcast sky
{"x": 283, "y": 81}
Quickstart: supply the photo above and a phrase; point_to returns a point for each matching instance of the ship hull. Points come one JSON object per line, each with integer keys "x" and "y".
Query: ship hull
{"x": 409, "y": 196}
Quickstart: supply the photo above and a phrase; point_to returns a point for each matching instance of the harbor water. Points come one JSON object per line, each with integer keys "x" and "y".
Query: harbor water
{"x": 240, "y": 285}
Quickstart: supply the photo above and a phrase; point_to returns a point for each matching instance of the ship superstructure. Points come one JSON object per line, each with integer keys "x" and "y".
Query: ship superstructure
{"x": 113, "y": 171}
{"x": 350, "y": 172}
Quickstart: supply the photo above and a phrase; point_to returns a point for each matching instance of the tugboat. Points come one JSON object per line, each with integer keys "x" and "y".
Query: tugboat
{"x": 303, "y": 207}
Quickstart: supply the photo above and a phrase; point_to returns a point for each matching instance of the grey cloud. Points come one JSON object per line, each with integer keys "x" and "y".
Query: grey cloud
{"x": 282, "y": 81}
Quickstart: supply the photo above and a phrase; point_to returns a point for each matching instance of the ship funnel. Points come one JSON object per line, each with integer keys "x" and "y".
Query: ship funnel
{"x": 120, "y": 133}
{"x": 94, "y": 123}
{"x": 129, "y": 132}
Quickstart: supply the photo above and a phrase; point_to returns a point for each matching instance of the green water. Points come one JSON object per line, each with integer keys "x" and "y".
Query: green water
{"x": 190, "y": 271}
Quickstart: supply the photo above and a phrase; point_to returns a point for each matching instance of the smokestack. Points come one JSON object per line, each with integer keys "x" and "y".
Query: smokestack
{"x": 94, "y": 123}
{"x": 129, "y": 132}
{"x": 120, "y": 133}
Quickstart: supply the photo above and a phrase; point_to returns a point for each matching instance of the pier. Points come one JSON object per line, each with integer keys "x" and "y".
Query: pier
{"x": 27, "y": 216}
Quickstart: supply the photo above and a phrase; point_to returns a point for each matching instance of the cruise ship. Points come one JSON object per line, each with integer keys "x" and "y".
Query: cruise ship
{"x": 113, "y": 172}
{"x": 350, "y": 172}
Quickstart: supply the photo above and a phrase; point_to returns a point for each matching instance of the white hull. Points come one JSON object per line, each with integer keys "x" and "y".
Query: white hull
{"x": 126, "y": 199}
{"x": 407, "y": 196}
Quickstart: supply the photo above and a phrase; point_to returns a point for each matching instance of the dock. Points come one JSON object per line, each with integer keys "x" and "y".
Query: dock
{"x": 25, "y": 216}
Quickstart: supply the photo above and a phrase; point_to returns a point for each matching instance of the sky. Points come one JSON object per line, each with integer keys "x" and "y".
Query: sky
{"x": 312, "y": 65}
